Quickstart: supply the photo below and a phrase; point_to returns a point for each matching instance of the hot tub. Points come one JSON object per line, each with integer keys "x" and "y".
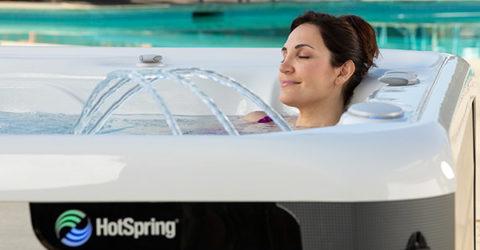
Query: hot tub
{"x": 398, "y": 167}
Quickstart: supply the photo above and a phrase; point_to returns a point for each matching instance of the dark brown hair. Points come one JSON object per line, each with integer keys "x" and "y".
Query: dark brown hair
{"x": 347, "y": 37}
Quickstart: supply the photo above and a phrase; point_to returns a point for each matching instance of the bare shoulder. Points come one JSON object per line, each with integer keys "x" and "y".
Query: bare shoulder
{"x": 254, "y": 116}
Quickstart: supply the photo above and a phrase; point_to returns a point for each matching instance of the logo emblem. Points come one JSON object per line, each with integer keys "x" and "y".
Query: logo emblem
{"x": 73, "y": 228}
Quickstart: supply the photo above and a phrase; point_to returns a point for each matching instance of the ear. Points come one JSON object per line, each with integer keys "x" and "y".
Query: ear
{"x": 345, "y": 72}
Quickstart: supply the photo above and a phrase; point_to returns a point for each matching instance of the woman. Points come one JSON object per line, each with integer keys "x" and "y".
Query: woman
{"x": 324, "y": 59}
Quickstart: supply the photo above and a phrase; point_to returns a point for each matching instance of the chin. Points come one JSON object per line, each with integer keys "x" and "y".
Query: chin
{"x": 288, "y": 101}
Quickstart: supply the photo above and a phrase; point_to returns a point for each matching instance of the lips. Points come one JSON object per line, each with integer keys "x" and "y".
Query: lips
{"x": 285, "y": 83}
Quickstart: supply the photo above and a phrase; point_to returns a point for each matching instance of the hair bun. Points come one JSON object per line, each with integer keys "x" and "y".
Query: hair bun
{"x": 366, "y": 35}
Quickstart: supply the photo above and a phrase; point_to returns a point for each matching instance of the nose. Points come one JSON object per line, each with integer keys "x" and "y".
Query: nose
{"x": 286, "y": 67}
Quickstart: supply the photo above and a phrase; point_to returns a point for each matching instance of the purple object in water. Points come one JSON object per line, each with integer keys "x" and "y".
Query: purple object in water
{"x": 265, "y": 119}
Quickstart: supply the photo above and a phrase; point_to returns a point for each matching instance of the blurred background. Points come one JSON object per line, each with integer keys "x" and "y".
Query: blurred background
{"x": 445, "y": 26}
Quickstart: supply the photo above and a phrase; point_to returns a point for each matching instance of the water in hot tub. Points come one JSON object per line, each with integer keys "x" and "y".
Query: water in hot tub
{"x": 98, "y": 114}
{"x": 138, "y": 124}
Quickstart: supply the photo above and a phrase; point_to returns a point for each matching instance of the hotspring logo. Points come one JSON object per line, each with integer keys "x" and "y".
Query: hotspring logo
{"x": 80, "y": 228}
{"x": 78, "y": 225}
{"x": 129, "y": 227}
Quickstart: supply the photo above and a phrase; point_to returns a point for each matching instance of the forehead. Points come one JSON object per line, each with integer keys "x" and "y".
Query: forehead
{"x": 305, "y": 34}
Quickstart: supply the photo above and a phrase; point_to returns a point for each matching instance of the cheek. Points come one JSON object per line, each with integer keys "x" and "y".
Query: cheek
{"x": 318, "y": 76}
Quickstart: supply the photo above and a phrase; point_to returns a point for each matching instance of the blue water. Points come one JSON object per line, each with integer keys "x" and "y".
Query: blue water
{"x": 452, "y": 27}
{"x": 138, "y": 124}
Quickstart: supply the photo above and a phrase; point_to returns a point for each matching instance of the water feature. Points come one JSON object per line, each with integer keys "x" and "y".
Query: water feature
{"x": 121, "y": 85}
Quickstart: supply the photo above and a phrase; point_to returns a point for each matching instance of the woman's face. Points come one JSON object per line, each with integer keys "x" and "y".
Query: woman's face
{"x": 306, "y": 75}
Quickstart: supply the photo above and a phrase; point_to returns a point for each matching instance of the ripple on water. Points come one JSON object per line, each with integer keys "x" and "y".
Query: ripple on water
{"x": 138, "y": 124}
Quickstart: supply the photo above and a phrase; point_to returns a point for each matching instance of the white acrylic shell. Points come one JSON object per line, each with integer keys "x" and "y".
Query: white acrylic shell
{"x": 357, "y": 160}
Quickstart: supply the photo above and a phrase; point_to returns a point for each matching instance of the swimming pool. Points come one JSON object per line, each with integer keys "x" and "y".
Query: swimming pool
{"x": 443, "y": 26}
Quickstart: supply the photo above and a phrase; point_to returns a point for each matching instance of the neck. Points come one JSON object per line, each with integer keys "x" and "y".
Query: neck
{"x": 320, "y": 115}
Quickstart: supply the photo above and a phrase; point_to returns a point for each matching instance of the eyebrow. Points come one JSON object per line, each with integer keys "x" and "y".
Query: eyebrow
{"x": 299, "y": 46}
